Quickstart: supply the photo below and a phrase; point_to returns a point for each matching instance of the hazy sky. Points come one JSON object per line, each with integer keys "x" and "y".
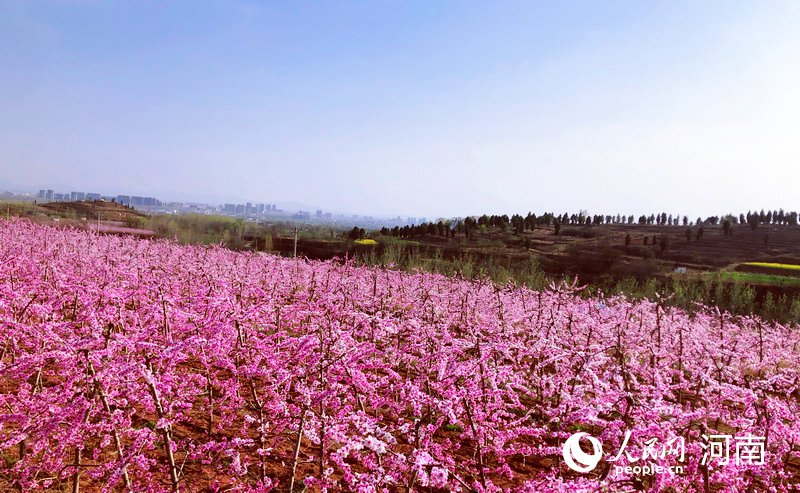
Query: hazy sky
{"x": 413, "y": 108}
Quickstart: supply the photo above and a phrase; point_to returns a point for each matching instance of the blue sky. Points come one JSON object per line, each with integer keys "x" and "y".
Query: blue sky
{"x": 412, "y": 108}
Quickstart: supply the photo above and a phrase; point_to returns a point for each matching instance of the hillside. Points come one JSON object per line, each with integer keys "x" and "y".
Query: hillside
{"x": 110, "y": 211}
{"x": 145, "y": 365}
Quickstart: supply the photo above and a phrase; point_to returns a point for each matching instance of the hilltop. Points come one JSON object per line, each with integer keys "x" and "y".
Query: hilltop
{"x": 90, "y": 209}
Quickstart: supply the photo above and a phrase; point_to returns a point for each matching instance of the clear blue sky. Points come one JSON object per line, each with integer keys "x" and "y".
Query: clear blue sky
{"x": 413, "y": 108}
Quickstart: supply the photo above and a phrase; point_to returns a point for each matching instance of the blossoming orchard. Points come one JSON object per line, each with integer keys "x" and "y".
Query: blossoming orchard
{"x": 146, "y": 366}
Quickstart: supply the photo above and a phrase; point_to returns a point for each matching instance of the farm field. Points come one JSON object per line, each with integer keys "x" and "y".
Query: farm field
{"x": 776, "y": 269}
{"x": 143, "y": 365}
{"x": 758, "y": 278}
{"x": 790, "y": 267}
{"x": 597, "y": 254}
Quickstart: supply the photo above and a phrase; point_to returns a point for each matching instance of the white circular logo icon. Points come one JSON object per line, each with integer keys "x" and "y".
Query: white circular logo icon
{"x": 577, "y": 459}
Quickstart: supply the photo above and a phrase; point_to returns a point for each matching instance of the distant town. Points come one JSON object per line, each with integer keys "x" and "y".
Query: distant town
{"x": 247, "y": 210}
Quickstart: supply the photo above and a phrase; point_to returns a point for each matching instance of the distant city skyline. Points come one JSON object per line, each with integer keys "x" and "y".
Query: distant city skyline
{"x": 303, "y": 212}
{"x": 67, "y": 194}
{"x": 287, "y": 211}
{"x": 434, "y": 109}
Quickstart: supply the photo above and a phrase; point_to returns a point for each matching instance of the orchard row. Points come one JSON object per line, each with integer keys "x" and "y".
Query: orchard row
{"x": 133, "y": 365}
